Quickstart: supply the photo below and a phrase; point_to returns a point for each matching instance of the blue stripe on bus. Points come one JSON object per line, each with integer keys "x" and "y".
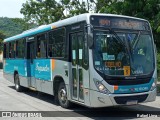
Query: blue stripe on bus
{"x": 29, "y": 33}
{"x": 40, "y": 69}
{"x": 134, "y": 88}
{"x": 19, "y": 65}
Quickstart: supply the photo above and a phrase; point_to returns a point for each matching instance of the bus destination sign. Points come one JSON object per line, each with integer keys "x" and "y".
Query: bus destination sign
{"x": 119, "y": 23}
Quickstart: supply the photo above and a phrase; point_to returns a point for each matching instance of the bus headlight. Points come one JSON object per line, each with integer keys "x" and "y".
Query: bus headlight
{"x": 153, "y": 86}
{"x": 101, "y": 87}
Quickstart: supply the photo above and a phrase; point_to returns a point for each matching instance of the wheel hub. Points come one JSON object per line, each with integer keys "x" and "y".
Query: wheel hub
{"x": 63, "y": 95}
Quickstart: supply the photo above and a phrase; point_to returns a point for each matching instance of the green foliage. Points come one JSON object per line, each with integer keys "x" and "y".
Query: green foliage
{"x": 49, "y": 11}
{"x": 2, "y": 36}
{"x": 13, "y": 26}
{"x": 158, "y": 30}
{"x": 23, "y": 24}
{"x": 9, "y": 27}
{"x": 74, "y": 7}
{"x": 44, "y": 12}
{"x": 158, "y": 64}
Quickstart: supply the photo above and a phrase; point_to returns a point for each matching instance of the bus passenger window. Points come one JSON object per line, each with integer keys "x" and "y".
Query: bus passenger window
{"x": 12, "y": 50}
{"x": 4, "y": 50}
{"x": 20, "y": 47}
{"x": 41, "y": 46}
{"x": 56, "y": 43}
{"x": 85, "y": 53}
{"x": 7, "y": 50}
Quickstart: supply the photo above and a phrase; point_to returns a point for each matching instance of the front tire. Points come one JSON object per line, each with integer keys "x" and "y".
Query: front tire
{"x": 62, "y": 96}
{"x": 18, "y": 87}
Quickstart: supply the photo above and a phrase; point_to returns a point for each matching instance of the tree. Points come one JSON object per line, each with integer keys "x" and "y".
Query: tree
{"x": 2, "y": 36}
{"x": 75, "y": 7}
{"x": 23, "y": 24}
{"x": 42, "y": 12}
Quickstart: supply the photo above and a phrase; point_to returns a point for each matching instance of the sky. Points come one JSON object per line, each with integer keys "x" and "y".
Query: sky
{"x": 11, "y": 8}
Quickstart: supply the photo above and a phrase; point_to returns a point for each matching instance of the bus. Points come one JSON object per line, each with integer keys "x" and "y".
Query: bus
{"x": 95, "y": 60}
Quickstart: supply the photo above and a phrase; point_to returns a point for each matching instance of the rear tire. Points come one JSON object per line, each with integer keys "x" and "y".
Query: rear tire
{"x": 62, "y": 96}
{"x": 18, "y": 87}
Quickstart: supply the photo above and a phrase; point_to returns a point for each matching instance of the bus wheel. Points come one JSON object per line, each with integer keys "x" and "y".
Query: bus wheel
{"x": 18, "y": 87}
{"x": 62, "y": 96}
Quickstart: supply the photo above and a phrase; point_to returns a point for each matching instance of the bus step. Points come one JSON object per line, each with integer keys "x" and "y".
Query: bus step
{"x": 32, "y": 88}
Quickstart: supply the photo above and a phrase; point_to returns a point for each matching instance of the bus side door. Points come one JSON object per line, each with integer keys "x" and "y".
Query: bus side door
{"x": 79, "y": 75}
{"x": 31, "y": 66}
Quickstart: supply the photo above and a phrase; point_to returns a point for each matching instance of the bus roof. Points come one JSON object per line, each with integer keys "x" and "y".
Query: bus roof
{"x": 68, "y": 21}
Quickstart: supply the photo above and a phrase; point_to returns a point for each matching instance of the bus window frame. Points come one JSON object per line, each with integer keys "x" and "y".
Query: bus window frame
{"x": 16, "y": 56}
{"x": 36, "y": 39}
{"x": 64, "y": 40}
{"x": 12, "y": 51}
{"x": 4, "y": 50}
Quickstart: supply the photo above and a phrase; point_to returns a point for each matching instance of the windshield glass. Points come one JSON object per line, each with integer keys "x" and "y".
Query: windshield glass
{"x": 123, "y": 53}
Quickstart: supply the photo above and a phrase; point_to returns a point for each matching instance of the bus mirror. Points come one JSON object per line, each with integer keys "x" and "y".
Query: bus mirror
{"x": 90, "y": 40}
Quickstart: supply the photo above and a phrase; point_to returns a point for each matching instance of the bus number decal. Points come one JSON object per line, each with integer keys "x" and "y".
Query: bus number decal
{"x": 113, "y": 64}
{"x": 126, "y": 70}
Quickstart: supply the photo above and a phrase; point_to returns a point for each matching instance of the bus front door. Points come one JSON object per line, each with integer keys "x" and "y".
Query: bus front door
{"x": 77, "y": 69}
{"x": 31, "y": 66}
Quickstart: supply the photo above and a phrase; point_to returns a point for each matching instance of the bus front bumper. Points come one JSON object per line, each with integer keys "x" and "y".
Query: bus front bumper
{"x": 98, "y": 99}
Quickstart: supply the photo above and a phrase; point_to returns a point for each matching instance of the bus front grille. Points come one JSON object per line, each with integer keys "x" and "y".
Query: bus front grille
{"x": 129, "y": 82}
{"x": 125, "y": 99}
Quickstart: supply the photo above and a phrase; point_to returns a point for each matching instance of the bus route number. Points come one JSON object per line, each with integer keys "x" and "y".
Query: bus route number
{"x": 113, "y": 64}
{"x": 126, "y": 70}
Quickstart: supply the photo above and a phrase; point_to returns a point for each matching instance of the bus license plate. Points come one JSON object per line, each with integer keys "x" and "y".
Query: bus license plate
{"x": 133, "y": 102}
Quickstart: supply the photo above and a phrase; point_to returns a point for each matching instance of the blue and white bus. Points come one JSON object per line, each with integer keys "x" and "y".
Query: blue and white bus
{"x": 95, "y": 60}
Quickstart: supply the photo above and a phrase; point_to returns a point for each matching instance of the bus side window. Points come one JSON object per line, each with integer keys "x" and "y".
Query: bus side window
{"x": 85, "y": 53}
{"x": 4, "y": 50}
{"x": 20, "y": 47}
{"x": 10, "y": 49}
{"x": 56, "y": 43}
{"x": 16, "y": 48}
{"x": 41, "y": 46}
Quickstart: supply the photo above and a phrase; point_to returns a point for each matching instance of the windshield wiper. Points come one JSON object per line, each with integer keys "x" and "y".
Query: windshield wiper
{"x": 135, "y": 41}
{"x": 126, "y": 45}
{"x": 119, "y": 39}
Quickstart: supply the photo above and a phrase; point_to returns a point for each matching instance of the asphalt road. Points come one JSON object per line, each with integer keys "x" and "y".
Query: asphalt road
{"x": 30, "y": 104}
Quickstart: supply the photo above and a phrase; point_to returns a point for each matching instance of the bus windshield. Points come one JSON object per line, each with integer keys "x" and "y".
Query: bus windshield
{"x": 124, "y": 53}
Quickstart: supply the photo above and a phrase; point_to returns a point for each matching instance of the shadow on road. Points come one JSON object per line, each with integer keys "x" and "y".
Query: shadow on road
{"x": 115, "y": 112}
